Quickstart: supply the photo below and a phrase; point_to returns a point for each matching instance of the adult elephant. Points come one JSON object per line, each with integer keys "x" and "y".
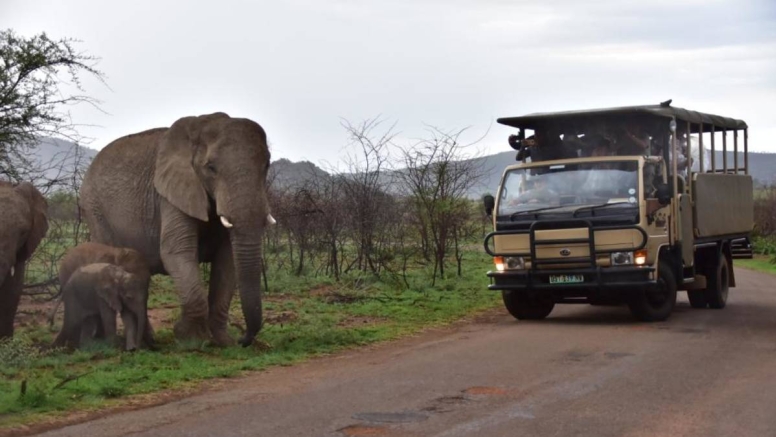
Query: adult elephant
{"x": 194, "y": 192}
{"x": 23, "y": 224}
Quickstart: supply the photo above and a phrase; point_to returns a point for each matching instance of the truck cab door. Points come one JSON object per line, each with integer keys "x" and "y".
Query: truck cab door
{"x": 685, "y": 230}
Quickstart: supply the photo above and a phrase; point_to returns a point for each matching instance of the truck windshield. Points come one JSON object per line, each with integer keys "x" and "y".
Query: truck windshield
{"x": 612, "y": 186}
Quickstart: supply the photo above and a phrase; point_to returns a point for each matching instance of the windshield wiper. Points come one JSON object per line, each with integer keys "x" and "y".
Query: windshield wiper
{"x": 532, "y": 211}
{"x": 592, "y": 208}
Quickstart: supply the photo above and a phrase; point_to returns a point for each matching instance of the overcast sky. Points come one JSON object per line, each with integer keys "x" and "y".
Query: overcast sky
{"x": 299, "y": 67}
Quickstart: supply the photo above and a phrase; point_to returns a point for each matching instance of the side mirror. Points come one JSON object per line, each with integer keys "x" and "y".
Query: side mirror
{"x": 663, "y": 194}
{"x": 490, "y": 203}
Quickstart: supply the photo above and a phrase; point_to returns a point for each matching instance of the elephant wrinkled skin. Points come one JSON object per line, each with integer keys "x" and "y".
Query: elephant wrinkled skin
{"x": 93, "y": 296}
{"x": 194, "y": 192}
{"x": 23, "y": 224}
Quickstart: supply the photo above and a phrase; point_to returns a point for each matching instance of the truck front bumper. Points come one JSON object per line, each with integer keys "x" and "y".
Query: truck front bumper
{"x": 601, "y": 280}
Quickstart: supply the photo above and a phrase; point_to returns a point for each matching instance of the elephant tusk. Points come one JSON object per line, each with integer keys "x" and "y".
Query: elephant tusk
{"x": 226, "y": 222}
{"x": 271, "y": 220}
{"x": 12, "y": 271}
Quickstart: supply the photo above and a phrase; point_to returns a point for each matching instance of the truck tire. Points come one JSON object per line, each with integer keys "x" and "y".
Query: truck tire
{"x": 697, "y": 298}
{"x": 718, "y": 283}
{"x": 654, "y": 306}
{"x": 523, "y": 307}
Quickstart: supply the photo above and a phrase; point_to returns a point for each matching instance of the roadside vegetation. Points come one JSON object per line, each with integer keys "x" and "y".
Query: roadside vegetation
{"x": 759, "y": 263}
{"x": 764, "y": 238}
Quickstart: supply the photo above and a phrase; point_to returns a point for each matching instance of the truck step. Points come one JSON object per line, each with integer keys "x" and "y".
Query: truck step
{"x": 741, "y": 249}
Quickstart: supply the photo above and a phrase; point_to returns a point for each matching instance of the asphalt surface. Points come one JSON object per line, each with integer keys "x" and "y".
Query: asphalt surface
{"x": 585, "y": 371}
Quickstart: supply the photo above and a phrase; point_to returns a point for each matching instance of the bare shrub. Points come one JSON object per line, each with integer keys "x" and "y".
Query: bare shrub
{"x": 438, "y": 173}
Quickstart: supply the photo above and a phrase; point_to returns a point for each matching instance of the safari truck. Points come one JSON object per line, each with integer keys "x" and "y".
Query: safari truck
{"x": 623, "y": 205}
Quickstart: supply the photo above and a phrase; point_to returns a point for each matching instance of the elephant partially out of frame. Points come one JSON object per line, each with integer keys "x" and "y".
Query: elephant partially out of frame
{"x": 93, "y": 296}
{"x": 23, "y": 224}
{"x": 194, "y": 192}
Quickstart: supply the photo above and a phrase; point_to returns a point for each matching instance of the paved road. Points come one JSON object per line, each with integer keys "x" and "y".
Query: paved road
{"x": 585, "y": 371}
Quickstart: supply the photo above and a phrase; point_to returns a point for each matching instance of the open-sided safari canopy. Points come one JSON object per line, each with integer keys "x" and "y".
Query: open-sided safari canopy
{"x": 695, "y": 118}
{"x": 722, "y": 195}
{"x": 691, "y": 122}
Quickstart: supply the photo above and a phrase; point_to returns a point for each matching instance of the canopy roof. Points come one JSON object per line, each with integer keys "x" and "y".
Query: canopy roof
{"x": 531, "y": 121}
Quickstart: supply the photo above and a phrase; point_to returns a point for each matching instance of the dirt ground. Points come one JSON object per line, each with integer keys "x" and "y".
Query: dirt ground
{"x": 34, "y": 311}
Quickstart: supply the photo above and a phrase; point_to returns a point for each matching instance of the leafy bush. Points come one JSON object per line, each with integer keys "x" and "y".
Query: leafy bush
{"x": 19, "y": 352}
{"x": 764, "y": 245}
{"x": 765, "y": 212}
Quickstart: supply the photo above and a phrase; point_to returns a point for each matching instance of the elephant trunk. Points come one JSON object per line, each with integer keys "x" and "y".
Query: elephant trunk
{"x": 247, "y": 252}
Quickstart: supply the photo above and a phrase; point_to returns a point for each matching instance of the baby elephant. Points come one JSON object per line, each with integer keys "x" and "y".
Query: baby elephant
{"x": 93, "y": 295}
{"x": 89, "y": 253}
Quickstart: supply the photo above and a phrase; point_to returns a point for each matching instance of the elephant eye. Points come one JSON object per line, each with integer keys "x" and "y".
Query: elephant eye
{"x": 211, "y": 167}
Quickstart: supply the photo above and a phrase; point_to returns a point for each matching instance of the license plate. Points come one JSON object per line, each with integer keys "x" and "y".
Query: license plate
{"x": 566, "y": 279}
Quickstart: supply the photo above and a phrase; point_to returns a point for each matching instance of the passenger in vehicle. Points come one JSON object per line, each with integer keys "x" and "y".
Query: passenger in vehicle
{"x": 542, "y": 146}
{"x": 537, "y": 191}
{"x": 632, "y": 139}
{"x": 597, "y": 140}
{"x": 572, "y": 144}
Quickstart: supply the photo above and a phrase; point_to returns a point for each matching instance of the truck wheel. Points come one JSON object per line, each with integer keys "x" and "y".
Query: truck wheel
{"x": 718, "y": 282}
{"x": 523, "y": 307}
{"x": 656, "y": 305}
{"x": 697, "y": 298}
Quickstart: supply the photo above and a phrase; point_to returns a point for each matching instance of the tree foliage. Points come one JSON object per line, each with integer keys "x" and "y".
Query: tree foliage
{"x": 40, "y": 78}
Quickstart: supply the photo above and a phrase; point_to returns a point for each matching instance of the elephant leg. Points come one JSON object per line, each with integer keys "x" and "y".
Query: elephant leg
{"x": 222, "y": 285}
{"x": 179, "y": 250}
{"x": 148, "y": 335}
{"x": 72, "y": 322}
{"x": 70, "y": 334}
{"x": 89, "y": 329}
{"x": 10, "y": 294}
{"x": 72, "y": 331}
{"x": 99, "y": 331}
{"x": 108, "y": 319}
{"x": 130, "y": 330}
{"x": 145, "y": 332}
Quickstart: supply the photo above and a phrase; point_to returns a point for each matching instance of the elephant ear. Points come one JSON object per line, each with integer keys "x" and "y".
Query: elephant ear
{"x": 129, "y": 285}
{"x": 175, "y": 178}
{"x": 38, "y": 218}
{"x": 108, "y": 290}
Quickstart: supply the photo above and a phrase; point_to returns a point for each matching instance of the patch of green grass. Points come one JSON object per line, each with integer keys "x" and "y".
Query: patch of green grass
{"x": 305, "y": 317}
{"x": 759, "y": 263}
{"x": 161, "y": 293}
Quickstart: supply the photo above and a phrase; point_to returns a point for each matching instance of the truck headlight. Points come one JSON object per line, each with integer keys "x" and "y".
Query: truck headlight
{"x": 509, "y": 263}
{"x": 515, "y": 262}
{"x": 622, "y": 258}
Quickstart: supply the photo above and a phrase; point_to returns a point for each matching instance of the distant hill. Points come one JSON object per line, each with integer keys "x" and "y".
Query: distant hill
{"x": 54, "y": 155}
{"x": 285, "y": 173}
{"x": 762, "y": 167}
{"x": 56, "y": 160}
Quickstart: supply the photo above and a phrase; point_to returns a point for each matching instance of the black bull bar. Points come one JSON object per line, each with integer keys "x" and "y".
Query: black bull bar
{"x": 596, "y": 278}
